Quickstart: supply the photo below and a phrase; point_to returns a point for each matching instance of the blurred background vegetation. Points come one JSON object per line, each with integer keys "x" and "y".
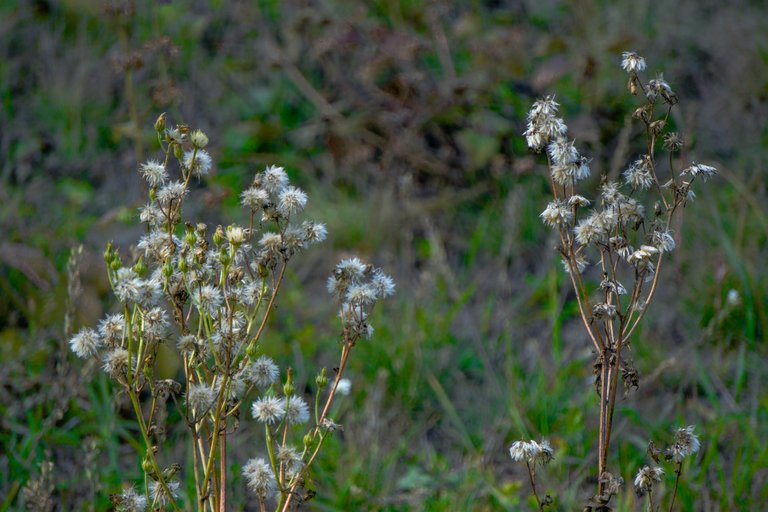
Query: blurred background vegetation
{"x": 402, "y": 119}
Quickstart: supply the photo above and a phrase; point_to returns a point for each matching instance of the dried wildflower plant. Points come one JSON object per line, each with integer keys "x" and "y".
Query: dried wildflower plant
{"x": 621, "y": 238}
{"x": 210, "y": 297}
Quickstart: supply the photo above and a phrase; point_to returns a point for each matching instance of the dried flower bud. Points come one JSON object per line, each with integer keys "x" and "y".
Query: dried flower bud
{"x": 160, "y": 123}
{"x": 673, "y": 142}
{"x": 199, "y": 139}
{"x": 218, "y": 236}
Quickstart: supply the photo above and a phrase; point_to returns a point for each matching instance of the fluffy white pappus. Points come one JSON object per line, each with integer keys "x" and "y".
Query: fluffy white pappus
{"x": 268, "y": 410}
{"x": 632, "y": 62}
{"x": 296, "y": 410}
{"x": 254, "y": 198}
{"x": 562, "y": 151}
{"x": 154, "y": 173}
{"x": 198, "y": 162}
{"x": 262, "y": 372}
{"x": 260, "y": 478}
{"x": 275, "y": 179}
{"x": 291, "y": 200}
{"x": 557, "y": 213}
{"x": 85, "y": 343}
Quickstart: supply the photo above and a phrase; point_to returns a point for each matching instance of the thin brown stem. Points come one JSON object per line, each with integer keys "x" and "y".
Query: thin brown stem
{"x": 532, "y": 477}
{"x": 678, "y": 471}
{"x": 345, "y": 350}
{"x": 223, "y": 472}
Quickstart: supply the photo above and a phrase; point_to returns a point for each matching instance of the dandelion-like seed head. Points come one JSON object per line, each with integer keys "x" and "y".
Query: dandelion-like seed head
{"x": 155, "y": 322}
{"x": 154, "y": 173}
{"x": 296, "y": 410}
{"x": 198, "y": 162}
{"x": 629, "y": 211}
{"x": 382, "y": 284}
{"x": 268, "y": 410}
{"x": 613, "y": 286}
{"x": 187, "y": 344}
{"x": 260, "y": 478}
{"x": 545, "y": 107}
{"x": 663, "y": 240}
{"x": 200, "y": 398}
{"x": 659, "y": 87}
{"x": 351, "y": 269}
{"x": 159, "y": 494}
{"x": 274, "y": 179}
{"x": 645, "y": 478}
{"x": 290, "y": 458}
{"x": 632, "y": 62}
{"x": 524, "y": 451}
{"x": 171, "y": 192}
{"x": 111, "y": 328}
{"x": 705, "y": 171}
{"x": 254, "y": 198}
{"x": 291, "y": 200}
{"x": 686, "y": 443}
{"x": 208, "y": 298}
{"x": 603, "y": 310}
{"x": 543, "y": 125}
{"x": 562, "y": 151}
{"x": 131, "y": 501}
{"x": 639, "y": 175}
{"x": 579, "y": 201}
{"x": 344, "y": 386}
{"x": 262, "y": 372}
{"x": 126, "y": 285}
{"x": 581, "y": 264}
{"x": 116, "y": 363}
{"x": 590, "y": 230}
{"x": 610, "y": 194}
{"x": 673, "y": 142}
{"x": 557, "y": 214}
{"x": 314, "y": 232}
{"x": 361, "y": 294}
{"x": 272, "y": 242}
{"x": 546, "y": 453}
{"x": 152, "y": 216}
{"x": 85, "y": 343}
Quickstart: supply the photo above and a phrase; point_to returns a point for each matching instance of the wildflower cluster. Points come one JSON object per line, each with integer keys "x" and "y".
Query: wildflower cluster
{"x": 210, "y": 293}
{"x": 624, "y": 230}
{"x": 685, "y": 444}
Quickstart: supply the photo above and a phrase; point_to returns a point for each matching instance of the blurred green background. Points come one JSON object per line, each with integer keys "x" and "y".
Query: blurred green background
{"x": 402, "y": 119}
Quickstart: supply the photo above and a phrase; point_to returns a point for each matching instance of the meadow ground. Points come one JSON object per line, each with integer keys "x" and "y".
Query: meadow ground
{"x": 403, "y": 121}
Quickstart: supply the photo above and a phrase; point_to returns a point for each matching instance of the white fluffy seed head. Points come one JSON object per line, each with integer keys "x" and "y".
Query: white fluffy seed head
{"x": 275, "y": 179}
{"x": 259, "y": 477}
{"x": 254, "y": 198}
{"x": 198, "y": 162}
{"x": 291, "y": 200}
{"x": 85, "y": 343}
{"x": 296, "y": 410}
{"x": 262, "y": 372}
{"x": 154, "y": 173}
{"x": 268, "y": 410}
{"x": 632, "y": 62}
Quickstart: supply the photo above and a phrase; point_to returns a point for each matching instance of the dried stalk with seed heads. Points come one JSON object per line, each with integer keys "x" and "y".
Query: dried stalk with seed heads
{"x": 626, "y": 235}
